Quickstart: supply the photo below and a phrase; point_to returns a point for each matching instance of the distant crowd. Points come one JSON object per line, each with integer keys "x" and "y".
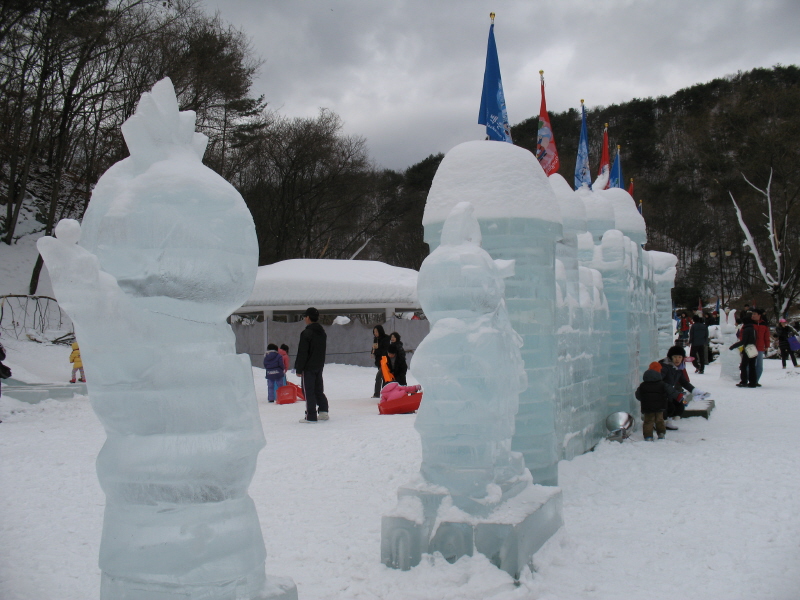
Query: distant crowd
{"x": 665, "y": 388}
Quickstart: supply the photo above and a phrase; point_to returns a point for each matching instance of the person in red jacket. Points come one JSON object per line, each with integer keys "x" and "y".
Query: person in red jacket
{"x": 763, "y": 340}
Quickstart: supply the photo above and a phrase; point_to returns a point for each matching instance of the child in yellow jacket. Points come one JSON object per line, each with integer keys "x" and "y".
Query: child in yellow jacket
{"x": 77, "y": 363}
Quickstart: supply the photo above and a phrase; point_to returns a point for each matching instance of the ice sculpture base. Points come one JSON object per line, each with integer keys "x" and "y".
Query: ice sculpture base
{"x": 427, "y": 521}
{"x": 250, "y": 588}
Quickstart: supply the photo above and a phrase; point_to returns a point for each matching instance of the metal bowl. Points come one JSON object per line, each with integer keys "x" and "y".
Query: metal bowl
{"x": 620, "y": 425}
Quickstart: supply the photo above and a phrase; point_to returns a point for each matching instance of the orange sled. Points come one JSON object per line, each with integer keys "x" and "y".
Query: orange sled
{"x": 289, "y": 394}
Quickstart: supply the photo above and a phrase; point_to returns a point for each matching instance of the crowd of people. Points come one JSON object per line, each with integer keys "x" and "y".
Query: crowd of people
{"x": 665, "y": 386}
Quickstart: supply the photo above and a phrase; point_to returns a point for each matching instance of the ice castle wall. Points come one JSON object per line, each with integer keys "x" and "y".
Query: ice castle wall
{"x": 591, "y": 305}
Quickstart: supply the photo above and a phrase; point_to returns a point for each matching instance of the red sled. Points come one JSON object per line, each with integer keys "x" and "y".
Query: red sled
{"x": 289, "y": 394}
{"x": 401, "y": 406}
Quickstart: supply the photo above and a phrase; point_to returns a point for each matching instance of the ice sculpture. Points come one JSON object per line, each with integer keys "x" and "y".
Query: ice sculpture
{"x": 473, "y": 492}
{"x": 168, "y": 250}
{"x": 520, "y": 220}
{"x": 730, "y": 360}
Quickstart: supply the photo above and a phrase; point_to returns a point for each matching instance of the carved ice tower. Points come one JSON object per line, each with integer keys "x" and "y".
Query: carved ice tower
{"x": 167, "y": 250}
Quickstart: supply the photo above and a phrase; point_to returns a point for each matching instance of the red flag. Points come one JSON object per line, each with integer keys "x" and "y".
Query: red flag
{"x": 546, "y": 150}
{"x": 630, "y": 188}
{"x": 700, "y": 305}
{"x": 605, "y": 164}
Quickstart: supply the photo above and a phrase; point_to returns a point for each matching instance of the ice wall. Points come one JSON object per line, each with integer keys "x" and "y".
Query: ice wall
{"x": 585, "y": 297}
{"x": 167, "y": 251}
{"x": 664, "y": 271}
{"x": 581, "y": 334}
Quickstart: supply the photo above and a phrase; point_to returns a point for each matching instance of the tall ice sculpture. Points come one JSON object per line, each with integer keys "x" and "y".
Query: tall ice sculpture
{"x": 167, "y": 251}
{"x": 473, "y": 492}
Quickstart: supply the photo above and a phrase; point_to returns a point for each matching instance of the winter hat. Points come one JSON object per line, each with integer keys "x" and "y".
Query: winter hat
{"x": 654, "y": 366}
{"x": 675, "y": 350}
{"x": 781, "y": 320}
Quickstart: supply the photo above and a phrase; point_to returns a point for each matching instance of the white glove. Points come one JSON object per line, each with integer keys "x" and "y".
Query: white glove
{"x": 699, "y": 394}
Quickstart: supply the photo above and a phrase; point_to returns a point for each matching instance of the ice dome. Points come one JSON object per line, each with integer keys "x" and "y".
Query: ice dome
{"x": 627, "y": 217}
{"x": 500, "y": 180}
{"x": 573, "y": 212}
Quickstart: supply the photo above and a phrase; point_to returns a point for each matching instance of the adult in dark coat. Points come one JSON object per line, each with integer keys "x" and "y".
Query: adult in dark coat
{"x": 747, "y": 368}
{"x": 673, "y": 372}
{"x": 698, "y": 340}
{"x": 380, "y": 347}
{"x": 397, "y": 364}
{"x": 309, "y": 364}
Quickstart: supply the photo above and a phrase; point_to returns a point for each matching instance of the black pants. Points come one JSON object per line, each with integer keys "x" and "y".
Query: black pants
{"x": 747, "y": 368}
{"x": 378, "y": 384}
{"x": 786, "y": 352}
{"x": 699, "y": 355}
{"x": 314, "y": 391}
{"x": 675, "y": 408}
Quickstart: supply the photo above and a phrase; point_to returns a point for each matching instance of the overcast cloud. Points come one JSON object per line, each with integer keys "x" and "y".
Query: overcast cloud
{"x": 407, "y": 74}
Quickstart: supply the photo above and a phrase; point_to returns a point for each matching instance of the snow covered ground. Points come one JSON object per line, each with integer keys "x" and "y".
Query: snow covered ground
{"x": 710, "y": 513}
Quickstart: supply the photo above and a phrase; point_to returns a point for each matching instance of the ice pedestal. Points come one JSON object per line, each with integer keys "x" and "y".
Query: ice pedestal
{"x": 168, "y": 250}
{"x": 425, "y": 521}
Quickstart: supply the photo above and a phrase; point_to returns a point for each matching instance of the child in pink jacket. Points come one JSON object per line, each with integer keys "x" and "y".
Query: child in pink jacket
{"x": 393, "y": 391}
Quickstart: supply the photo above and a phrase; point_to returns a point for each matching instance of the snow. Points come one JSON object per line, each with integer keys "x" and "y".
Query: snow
{"x": 627, "y": 218}
{"x": 710, "y": 513}
{"x": 307, "y": 282}
{"x": 16, "y": 266}
{"x": 500, "y": 180}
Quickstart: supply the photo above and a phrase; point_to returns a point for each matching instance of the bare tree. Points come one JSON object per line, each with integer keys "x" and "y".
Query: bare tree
{"x": 782, "y": 278}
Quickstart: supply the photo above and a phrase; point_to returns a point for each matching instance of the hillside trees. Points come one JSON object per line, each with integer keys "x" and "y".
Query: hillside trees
{"x": 687, "y": 153}
{"x": 71, "y": 71}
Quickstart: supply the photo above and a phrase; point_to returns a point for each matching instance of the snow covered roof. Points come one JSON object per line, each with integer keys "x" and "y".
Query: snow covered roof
{"x": 303, "y": 282}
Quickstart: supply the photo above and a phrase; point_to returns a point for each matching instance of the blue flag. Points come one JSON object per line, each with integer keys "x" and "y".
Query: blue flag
{"x": 493, "y": 103}
{"x": 582, "y": 164}
{"x": 615, "y": 180}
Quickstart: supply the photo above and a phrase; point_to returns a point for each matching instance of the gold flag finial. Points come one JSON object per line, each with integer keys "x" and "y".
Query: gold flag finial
{"x": 491, "y": 16}
{"x": 541, "y": 71}
{"x": 618, "y": 146}
{"x": 606, "y": 125}
{"x": 581, "y": 100}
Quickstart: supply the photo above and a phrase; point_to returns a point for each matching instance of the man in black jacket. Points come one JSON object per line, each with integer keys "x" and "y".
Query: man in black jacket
{"x": 698, "y": 340}
{"x": 308, "y": 366}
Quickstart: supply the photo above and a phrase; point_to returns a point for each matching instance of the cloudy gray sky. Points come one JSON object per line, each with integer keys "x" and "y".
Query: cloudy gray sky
{"x": 407, "y": 74}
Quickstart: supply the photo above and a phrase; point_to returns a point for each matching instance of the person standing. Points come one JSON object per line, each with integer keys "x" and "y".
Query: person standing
{"x": 284, "y": 352}
{"x": 77, "y": 363}
{"x": 275, "y": 371}
{"x": 309, "y": 364}
{"x": 782, "y": 332}
{"x": 747, "y": 368}
{"x": 380, "y": 346}
{"x": 698, "y": 340}
{"x": 763, "y": 341}
{"x": 683, "y": 329}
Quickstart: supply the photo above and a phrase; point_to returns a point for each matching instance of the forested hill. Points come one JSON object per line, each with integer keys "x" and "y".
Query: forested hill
{"x": 686, "y": 152}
